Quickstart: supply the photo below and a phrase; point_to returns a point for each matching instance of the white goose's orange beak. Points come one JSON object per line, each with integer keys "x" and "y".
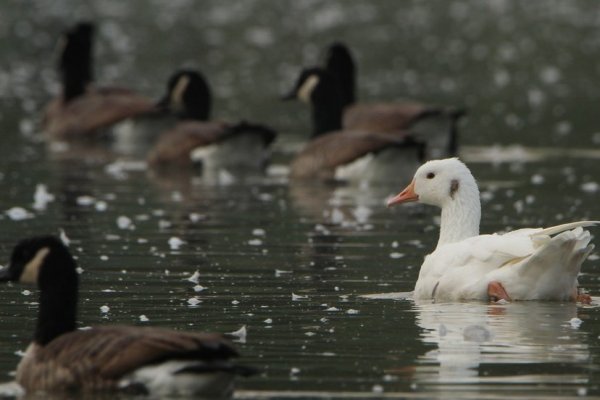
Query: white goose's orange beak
{"x": 404, "y": 196}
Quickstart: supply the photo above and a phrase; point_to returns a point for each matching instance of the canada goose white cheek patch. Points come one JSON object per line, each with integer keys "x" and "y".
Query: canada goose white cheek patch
{"x": 179, "y": 90}
{"x": 307, "y": 88}
{"x": 32, "y": 269}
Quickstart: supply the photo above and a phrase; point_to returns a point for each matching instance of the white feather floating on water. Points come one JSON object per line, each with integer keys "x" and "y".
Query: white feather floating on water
{"x": 175, "y": 243}
{"x": 195, "y": 277}
{"x": 240, "y": 334}
{"x": 41, "y": 197}
{"x": 63, "y": 237}
{"x": 18, "y": 213}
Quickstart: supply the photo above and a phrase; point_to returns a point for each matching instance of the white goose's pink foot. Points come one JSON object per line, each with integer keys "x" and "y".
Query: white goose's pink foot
{"x": 496, "y": 292}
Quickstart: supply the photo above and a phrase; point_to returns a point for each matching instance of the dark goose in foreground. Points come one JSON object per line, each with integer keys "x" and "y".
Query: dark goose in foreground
{"x": 157, "y": 361}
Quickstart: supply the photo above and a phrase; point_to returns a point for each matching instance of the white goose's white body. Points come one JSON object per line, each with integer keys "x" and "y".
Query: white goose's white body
{"x": 529, "y": 264}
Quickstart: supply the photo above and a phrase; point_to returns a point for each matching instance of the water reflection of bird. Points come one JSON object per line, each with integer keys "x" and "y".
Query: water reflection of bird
{"x": 526, "y": 264}
{"x": 61, "y": 358}
{"x": 213, "y": 144}
{"x": 469, "y": 337}
{"x": 84, "y": 111}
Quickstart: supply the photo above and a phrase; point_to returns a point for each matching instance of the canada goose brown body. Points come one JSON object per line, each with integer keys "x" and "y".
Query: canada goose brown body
{"x": 188, "y": 97}
{"x": 324, "y": 154}
{"x": 62, "y": 358}
{"x": 83, "y": 111}
{"x": 101, "y": 357}
{"x": 88, "y": 115}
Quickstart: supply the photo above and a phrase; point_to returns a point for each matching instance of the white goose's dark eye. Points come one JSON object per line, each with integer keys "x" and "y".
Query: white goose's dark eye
{"x": 430, "y": 175}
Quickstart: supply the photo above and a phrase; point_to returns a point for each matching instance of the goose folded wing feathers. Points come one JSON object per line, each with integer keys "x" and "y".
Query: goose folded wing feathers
{"x": 119, "y": 350}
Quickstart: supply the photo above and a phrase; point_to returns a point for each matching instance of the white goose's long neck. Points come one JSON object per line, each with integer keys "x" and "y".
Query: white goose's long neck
{"x": 461, "y": 216}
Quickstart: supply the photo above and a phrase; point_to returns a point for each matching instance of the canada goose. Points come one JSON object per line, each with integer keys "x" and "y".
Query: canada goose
{"x": 335, "y": 152}
{"x": 212, "y": 143}
{"x": 83, "y": 111}
{"x": 142, "y": 360}
{"x": 433, "y": 124}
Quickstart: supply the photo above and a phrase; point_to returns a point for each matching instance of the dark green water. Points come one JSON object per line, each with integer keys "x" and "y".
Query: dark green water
{"x": 528, "y": 73}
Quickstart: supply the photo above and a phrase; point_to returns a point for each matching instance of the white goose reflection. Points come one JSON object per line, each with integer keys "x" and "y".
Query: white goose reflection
{"x": 469, "y": 336}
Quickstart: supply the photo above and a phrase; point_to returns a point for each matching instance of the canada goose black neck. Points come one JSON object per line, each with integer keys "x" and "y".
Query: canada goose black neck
{"x": 317, "y": 87}
{"x": 46, "y": 260}
{"x": 340, "y": 64}
{"x": 75, "y": 64}
{"x": 188, "y": 96}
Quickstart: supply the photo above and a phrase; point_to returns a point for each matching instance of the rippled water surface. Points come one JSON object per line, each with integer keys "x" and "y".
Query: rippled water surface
{"x": 291, "y": 260}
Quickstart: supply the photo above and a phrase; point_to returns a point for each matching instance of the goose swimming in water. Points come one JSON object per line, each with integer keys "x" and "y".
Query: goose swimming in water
{"x": 526, "y": 264}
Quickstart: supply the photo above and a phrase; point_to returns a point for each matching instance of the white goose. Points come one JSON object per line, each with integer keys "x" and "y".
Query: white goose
{"x": 526, "y": 264}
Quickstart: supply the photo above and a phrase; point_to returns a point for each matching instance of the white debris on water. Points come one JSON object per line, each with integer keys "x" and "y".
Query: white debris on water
{"x": 258, "y": 232}
{"x": 352, "y": 311}
{"x": 377, "y": 389}
{"x": 26, "y": 292}
{"x": 240, "y": 334}
{"x": 332, "y": 309}
{"x": 337, "y": 217}
{"x": 41, "y": 197}
{"x": 101, "y": 206}
{"x": 255, "y": 242}
{"x": 143, "y": 318}
{"x": 199, "y": 288}
{"x": 175, "y": 243}
{"x": 268, "y": 321}
{"x": 362, "y": 214}
{"x": 195, "y": 217}
{"x": 279, "y": 272}
{"x": 396, "y": 255}
{"x": 195, "y": 277}
{"x": 225, "y": 178}
{"x": 124, "y": 222}
{"x": 85, "y": 200}
{"x": 104, "y": 309}
{"x": 63, "y": 237}
{"x": 537, "y": 179}
{"x": 164, "y": 224}
{"x": 235, "y": 302}
{"x": 296, "y": 297}
{"x": 18, "y": 213}
{"x": 575, "y": 322}
{"x": 193, "y": 301}
{"x": 309, "y": 334}
{"x": 590, "y": 187}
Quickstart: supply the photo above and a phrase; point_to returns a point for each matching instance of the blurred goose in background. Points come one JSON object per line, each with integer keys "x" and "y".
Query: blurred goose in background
{"x": 337, "y": 153}
{"x": 213, "y": 144}
{"x": 526, "y": 264}
{"x": 83, "y": 111}
{"x": 142, "y": 360}
{"x": 436, "y": 126}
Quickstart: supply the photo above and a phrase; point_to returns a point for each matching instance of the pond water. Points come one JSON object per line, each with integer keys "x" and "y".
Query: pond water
{"x": 291, "y": 261}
